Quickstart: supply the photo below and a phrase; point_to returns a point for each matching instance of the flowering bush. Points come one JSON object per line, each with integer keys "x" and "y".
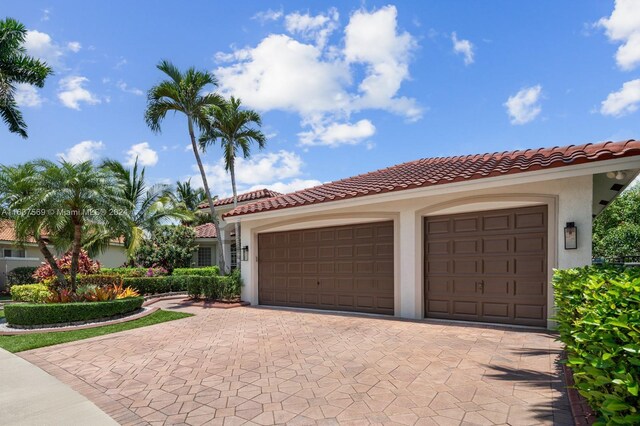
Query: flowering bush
{"x": 157, "y": 271}
{"x": 86, "y": 266}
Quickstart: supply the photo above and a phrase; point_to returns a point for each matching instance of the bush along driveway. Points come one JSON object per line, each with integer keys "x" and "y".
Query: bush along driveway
{"x": 274, "y": 366}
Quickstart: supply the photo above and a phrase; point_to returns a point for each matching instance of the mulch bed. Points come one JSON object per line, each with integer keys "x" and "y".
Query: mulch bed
{"x": 583, "y": 415}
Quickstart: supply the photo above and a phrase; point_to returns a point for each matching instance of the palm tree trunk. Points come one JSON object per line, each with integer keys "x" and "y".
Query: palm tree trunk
{"x": 232, "y": 171}
{"x": 51, "y": 261}
{"x": 75, "y": 248}
{"x": 214, "y": 216}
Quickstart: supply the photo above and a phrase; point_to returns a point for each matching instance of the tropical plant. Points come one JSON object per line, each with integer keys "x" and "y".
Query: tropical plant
{"x": 17, "y": 187}
{"x": 147, "y": 206}
{"x": 16, "y": 67}
{"x": 79, "y": 198}
{"x": 189, "y": 198}
{"x": 168, "y": 247}
{"x": 231, "y": 126}
{"x": 616, "y": 231}
{"x": 185, "y": 92}
{"x": 86, "y": 266}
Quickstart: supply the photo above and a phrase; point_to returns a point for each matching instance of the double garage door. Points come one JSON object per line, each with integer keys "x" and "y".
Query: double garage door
{"x": 487, "y": 267}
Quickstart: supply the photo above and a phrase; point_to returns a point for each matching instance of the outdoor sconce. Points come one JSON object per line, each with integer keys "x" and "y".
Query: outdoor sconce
{"x": 570, "y": 236}
{"x": 245, "y": 253}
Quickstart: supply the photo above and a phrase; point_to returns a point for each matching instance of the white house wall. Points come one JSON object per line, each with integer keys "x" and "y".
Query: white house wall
{"x": 568, "y": 200}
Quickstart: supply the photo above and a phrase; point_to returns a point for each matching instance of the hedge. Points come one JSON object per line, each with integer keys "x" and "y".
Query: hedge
{"x": 156, "y": 285}
{"x": 125, "y": 272}
{"x": 598, "y": 316}
{"x": 205, "y": 271}
{"x": 23, "y": 314}
{"x": 31, "y": 293}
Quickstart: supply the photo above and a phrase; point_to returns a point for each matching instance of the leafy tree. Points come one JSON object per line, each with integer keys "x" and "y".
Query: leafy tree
{"x": 16, "y": 67}
{"x": 79, "y": 198}
{"x": 170, "y": 246}
{"x": 231, "y": 126}
{"x": 616, "y": 231}
{"x": 17, "y": 187}
{"x": 147, "y": 206}
{"x": 185, "y": 92}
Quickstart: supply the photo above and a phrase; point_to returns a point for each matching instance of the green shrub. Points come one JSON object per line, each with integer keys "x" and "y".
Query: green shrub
{"x": 206, "y": 271}
{"x": 194, "y": 289}
{"x": 149, "y": 285}
{"x": 21, "y": 275}
{"x": 210, "y": 287}
{"x": 125, "y": 272}
{"x": 99, "y": 280}
{"x": 598, "y": 315}
{"x": 31, "y": 293}
{"x": 43, "y": 314}
{"x": 230, "y": 286}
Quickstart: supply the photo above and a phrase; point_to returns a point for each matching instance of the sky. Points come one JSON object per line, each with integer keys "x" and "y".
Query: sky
{"x": 343, "y": 87}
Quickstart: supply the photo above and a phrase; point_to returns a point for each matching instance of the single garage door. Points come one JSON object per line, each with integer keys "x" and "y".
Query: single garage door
{"x": 346, "y": 268}
{"x": 488, "y": 266}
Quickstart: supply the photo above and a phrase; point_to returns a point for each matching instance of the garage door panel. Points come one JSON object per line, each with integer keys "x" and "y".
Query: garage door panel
{"x": 352, "y": 264}
{"x": 510, "y": 262}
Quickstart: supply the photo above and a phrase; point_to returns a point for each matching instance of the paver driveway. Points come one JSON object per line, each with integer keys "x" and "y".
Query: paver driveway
{"x": 279, "y": 366}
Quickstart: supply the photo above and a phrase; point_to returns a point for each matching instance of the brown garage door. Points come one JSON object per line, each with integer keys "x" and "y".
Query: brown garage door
{"x": 347, "y": 268}
{"x": 488, "y": 266}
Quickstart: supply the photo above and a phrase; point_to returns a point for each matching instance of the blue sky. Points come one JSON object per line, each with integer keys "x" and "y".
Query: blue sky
{"x": 343, "y": 87}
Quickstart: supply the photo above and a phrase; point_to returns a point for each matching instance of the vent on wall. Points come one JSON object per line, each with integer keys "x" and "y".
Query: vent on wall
{"x": 616, "y": 187}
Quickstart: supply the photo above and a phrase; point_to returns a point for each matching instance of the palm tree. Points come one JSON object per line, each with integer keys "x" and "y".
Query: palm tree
{"x": 185, "y": 92}
{"x": 232, "y": 126}
{"x": 16, "y": 67}
{"x": 17, "y": 186}
{"x": 79, "y": 197}
{"x": 149, "y": 206}
{"x": 190, "y": 198}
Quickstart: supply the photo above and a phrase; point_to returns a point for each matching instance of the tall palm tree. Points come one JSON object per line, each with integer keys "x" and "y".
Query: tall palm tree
{"x": 17, "y": 186}
{"x": 185, "y": 92}
{"x": 79, "y": 197}
{"x": 233, "y": 128}
{"x": 149, "y": 206}
{"x": 16, "y": 67}
{"x": 189, "y": 198}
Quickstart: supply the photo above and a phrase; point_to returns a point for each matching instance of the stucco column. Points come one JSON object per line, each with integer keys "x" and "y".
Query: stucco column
{"x": 410, "y": 264}
{"x": 249, "y": 268}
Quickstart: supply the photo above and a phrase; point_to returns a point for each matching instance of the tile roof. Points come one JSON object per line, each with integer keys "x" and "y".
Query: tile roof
{"x": 442, "y": 170}
{"x": 247, "y": 196}
{"x": 7, "y": 231}
{"x": 206, "y": 230}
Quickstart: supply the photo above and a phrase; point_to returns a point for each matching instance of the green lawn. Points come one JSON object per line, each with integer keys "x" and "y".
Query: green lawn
{"x": 24, "y": 342}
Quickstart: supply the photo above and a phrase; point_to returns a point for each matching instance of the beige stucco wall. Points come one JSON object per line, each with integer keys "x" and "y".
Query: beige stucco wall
{"x": 569, "y": 199}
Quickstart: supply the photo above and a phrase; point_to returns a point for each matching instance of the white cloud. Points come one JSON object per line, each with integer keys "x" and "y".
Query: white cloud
{"x": 463, "y": 47}
{"x": 268, "y": 15}
{"x": 133, "y": 90}
{"x": 27, "y": 95}
{"x": 74, "y": 46}
{"x": 281, "y": 169}
{"x": 83, "y": 151}
{"x": 325, "y": 83}
{"x": 144, "y": 153}
{"x": 41, "y": 45}
{"x": 71, "y": 92}
{"x": 338, "y": 133}
{"x": 624, "y": 26}
{"x": 45, "y": 15}
{"x": 524, "y": 106}
{"x": 624, "y": 101}
{"x": 317, "y": 28}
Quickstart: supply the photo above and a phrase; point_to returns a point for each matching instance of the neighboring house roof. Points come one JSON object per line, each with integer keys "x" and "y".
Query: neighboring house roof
{"x": 247, "y": 196}
{"x": 442, "y": 170}
{"x": 206, "y": 230}
{"x": 7, "y": 231}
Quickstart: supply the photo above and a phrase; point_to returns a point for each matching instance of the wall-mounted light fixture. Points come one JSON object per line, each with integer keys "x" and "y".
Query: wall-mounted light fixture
{"x": 620, "y": 175}
{"x": 570, "y": 236}
{"x": 245, "y": 253}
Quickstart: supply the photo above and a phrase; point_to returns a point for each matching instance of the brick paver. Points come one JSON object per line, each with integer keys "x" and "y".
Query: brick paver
{"x": 266, "y": 366}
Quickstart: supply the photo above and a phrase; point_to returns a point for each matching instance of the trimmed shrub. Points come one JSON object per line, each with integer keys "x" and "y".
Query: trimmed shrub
{"x": 149, "y": 285}
{"x": 205, "y": 271}
{"x": 598, "y": 315}
{"x": 194, "y": 289}
{"x": 99, "y": 280}
{"x": 193, "y": 285}
{"x": 125, "y": 272}
{"x": 230, "y": 286}
{"x": 31, "y": 293}
{"x": 21, "y": 275}
{"x": 43, "y": 314}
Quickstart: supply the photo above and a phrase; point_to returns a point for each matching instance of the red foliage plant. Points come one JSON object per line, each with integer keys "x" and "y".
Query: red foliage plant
{"x": 86, "y": 266}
